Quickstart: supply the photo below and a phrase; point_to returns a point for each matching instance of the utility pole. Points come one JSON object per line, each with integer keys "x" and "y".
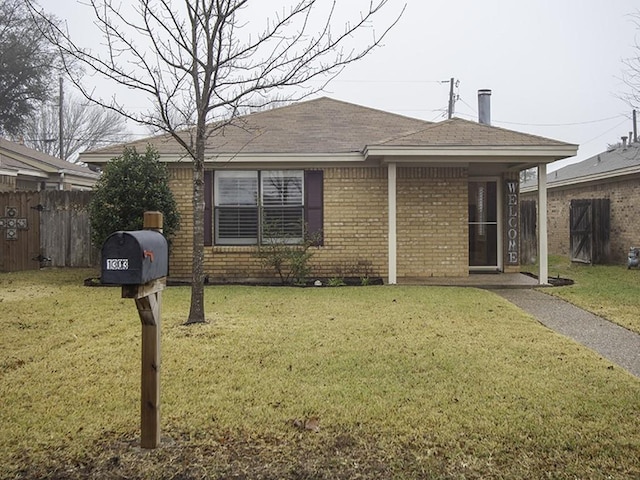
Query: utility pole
{"x": 60, "y": 126}
{"x": 451, "y": 100}
{"x": 635, "y": 126}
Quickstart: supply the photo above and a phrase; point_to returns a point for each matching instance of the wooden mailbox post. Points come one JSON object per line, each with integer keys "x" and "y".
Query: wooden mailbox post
{"x": 120, "y": 269}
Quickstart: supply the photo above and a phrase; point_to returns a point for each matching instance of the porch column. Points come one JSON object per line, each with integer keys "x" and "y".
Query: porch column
{"x": 391, "y": 189}
{"x": 543, "y": 250}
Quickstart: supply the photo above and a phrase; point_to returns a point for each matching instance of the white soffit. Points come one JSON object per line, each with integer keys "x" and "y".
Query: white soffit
{"x": 470, "y": 152}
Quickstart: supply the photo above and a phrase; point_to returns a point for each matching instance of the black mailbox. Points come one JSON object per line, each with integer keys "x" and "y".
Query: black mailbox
{"x": 134, "y": 258}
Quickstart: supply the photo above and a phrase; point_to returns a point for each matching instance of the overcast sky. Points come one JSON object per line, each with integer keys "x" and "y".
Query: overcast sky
{"x": 554, "y": 66}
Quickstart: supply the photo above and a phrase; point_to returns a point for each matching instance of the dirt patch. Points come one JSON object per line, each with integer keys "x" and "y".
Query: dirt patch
{"x": 184, "y": 458}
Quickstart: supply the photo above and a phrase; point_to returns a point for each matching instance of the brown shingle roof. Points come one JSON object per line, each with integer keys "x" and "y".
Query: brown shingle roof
{"x": 459, "y": 132}
{"x": 323, "y": 125}
{"x": 326, "y": 126}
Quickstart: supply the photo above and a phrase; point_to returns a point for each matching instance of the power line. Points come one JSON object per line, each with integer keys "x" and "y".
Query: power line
{"x": 472, "y": 108}
{"x": 604, "y": 133}
{"x": 389, "y": 81}
{"x": 563, "y": 124}
{"x": 568, "y": 124}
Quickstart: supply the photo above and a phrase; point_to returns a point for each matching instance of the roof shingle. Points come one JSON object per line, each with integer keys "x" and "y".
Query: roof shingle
{"x": 613, "y": 162}
{"x": 327, "y": 126}
{"x": 459, "y": 132}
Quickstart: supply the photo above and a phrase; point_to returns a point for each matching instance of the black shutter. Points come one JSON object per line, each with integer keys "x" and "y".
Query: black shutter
{"x": 208, "y": 202}
{"x": 313, "y": 197}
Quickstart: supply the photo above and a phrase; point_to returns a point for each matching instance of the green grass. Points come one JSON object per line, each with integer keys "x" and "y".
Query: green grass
{"x": 611, "y": 291}
{"x": 405, "y": 382}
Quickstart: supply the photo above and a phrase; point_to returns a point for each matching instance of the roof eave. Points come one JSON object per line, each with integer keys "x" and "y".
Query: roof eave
{"x": 74, "y": 173}
{"x": 596, "y": 177}
{"x": 524, "y": 156}
{"x": 241, "y": 159}
{"x": 8, "y": 172}
{"x": 542, "y": 153}
{"x": 23, "y": 172}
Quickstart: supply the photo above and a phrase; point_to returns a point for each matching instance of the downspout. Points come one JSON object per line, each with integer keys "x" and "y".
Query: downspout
{"x": 393, "y": 248}
{"x": 543, "y": 248}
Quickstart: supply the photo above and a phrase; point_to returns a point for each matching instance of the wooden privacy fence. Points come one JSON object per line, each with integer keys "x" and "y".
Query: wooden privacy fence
{"x": 47, "y": 228}
{"x": 589, "y": 231}
{"x": 590, "y": 226}
{"x": 528, "y": 234}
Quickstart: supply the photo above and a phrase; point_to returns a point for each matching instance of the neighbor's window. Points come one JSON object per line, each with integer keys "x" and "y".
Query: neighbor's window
{"x": 258, "y": 206}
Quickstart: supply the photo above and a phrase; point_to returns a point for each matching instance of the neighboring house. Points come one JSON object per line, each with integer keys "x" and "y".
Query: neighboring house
{"x": 26, "y": 169}
{"x": 391, "y": 196}
{"x": 594, "y": 206}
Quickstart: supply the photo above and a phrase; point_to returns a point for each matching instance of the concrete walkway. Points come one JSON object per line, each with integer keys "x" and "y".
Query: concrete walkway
{"x": 476, "y": 280}
{"x": 613, "y": 342}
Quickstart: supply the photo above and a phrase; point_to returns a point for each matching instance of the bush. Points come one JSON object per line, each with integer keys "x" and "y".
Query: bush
{"x": 289, "y": 260}
{"x": 336, "y": 282}
{"x": 130, "y": 185}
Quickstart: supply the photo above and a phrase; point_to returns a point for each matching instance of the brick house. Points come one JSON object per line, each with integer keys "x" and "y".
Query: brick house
{"x": 602, "y": 194}
{"x": 398, "y": 197}
{"x": 25, "y": 169}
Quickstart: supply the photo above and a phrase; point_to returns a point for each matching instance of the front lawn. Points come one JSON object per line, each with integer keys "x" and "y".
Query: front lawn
{"x": 305, "y": 383}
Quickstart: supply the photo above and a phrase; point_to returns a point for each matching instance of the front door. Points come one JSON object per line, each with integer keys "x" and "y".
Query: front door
{"x": 483, "y": 225}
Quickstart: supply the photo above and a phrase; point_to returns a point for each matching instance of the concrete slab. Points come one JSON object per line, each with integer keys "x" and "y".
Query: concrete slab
{"x": 477, "y": 280}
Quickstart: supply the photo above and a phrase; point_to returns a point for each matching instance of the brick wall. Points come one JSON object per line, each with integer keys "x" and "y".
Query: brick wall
{"x": 432, "y": 227}
{"x": 433, "y": 235}
{"x": 355, "y": 222}
{"x": 181, "y": 184}
{"x": 624, "y": 197}
{"x": 355, "y": 225}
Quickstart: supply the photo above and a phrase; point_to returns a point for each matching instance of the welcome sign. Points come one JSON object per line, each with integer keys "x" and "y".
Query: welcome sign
{"x": 513, "y": 230}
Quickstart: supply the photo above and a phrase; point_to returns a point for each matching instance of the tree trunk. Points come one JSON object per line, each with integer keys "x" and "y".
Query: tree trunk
{"x": 196, "y": 311}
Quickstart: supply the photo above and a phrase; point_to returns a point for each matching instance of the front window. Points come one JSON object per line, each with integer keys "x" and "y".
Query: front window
{"x": 282, "y": 206}
{"x": 258, "y": 206}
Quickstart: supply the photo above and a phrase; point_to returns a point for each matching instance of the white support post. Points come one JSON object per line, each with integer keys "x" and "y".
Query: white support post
{"x": 392, "y": 176}
{"x": 543, "y": 249}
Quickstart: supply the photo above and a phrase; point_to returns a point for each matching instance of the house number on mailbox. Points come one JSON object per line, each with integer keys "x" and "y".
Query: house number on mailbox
{"x": 117, "y": 264}
{"x": 11, "y": 223}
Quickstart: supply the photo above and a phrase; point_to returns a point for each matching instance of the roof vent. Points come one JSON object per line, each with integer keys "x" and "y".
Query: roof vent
{"x": 484, "y": 106}
{"x": 624, "y": 142}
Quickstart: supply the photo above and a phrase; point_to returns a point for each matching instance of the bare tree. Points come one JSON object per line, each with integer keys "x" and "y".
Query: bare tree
{"x": 200, "y": 62}
{"x": 631, "y": 72}
{"x": 85, "y": 126}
